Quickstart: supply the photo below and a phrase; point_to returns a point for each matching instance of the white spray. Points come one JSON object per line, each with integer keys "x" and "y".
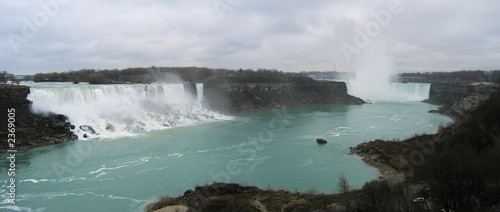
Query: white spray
{"x": 374, "y": 75}
{"x": 122, "y": 110}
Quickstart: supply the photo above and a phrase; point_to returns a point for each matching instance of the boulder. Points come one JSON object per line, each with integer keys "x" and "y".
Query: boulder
{"x": 110, "y": 128}
{"x": 188, "y": 192}
{"x": 88, "y": 129}
{"x": 321, "y": 141}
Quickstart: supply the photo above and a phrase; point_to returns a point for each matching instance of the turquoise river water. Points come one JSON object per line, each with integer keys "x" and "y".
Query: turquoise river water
{"x": 274, "y": 149}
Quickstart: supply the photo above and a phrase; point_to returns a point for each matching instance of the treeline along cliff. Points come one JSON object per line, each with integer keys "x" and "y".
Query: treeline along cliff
{"x": 162, "y": 74}
{"x": 231, "y": 91}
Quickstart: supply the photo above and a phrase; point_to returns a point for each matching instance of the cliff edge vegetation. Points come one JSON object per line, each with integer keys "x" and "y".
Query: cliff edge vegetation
{"x": 457, "y": 167}
{"x": 228, "y": 91}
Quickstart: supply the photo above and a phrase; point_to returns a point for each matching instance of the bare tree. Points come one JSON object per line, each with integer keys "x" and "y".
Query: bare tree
{"x": 344, "y": 188}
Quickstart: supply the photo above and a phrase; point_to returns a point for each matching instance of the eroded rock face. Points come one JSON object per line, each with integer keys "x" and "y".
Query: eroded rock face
{"x": 253, "y": 97}
{"x": 31, "y": 130}
{"x": 457, "y": 99}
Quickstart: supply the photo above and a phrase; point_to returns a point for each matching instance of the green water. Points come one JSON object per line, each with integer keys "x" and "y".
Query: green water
{"x": 274, "y": 148}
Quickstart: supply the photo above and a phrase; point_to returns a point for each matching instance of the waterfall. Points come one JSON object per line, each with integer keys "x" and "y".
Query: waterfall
{"x": 122, "y": 110}
{"x": 390, "y": 91}
{"x": 199, "y": 91}
{"x": 375, "y": 70}
{"x": 412, "y": 91}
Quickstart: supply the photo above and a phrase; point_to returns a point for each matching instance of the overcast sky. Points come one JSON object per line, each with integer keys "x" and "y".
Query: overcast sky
{"x": 293, "y": 35}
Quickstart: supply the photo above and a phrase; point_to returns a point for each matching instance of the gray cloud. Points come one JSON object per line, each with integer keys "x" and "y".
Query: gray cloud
{"x": 288, "y": 35}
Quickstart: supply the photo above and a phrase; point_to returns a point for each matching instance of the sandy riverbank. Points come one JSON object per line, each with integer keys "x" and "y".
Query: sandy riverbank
{"x": 386, "y": 172}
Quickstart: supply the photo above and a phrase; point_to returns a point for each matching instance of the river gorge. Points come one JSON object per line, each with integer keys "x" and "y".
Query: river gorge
{"x": 162, "y": 139}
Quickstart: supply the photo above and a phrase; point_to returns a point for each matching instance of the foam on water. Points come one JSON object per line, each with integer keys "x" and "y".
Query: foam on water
{"x": 122, "y": 110}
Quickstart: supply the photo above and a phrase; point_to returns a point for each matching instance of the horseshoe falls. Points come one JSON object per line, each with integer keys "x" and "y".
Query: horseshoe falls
{"x": 389, "y": 91}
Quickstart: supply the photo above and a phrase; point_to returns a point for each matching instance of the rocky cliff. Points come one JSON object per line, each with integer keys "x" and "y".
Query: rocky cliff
{"x": 30, "y": 130}
{"x": 252, "y": 97}
{"x": 457, "y": 99}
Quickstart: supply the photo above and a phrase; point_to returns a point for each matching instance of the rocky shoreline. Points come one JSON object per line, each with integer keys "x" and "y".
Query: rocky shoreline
{"x": 31, "y": 130}
{"x": 410, "y": 161}
{"x": 391, "y": 158}
{"x": 235, "y": 197}
{"x": 386, "y": 172}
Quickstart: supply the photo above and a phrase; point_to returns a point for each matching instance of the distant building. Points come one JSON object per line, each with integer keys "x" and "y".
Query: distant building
{"x": 24, "y": 77}
{"x": 329, "y": 75}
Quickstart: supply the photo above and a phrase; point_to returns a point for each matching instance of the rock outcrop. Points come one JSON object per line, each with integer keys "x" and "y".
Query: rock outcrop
{"x": 236, "y": 98}
{"x": 457, "y": 99}
{"x": 321, "y": 141}
{"x": 234, "y": 197}
{"x": 31, "y": 130}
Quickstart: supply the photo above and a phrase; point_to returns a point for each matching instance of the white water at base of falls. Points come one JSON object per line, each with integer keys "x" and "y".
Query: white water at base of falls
{"x": 389, "y": 91}
{"x": 124, "y": 109}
